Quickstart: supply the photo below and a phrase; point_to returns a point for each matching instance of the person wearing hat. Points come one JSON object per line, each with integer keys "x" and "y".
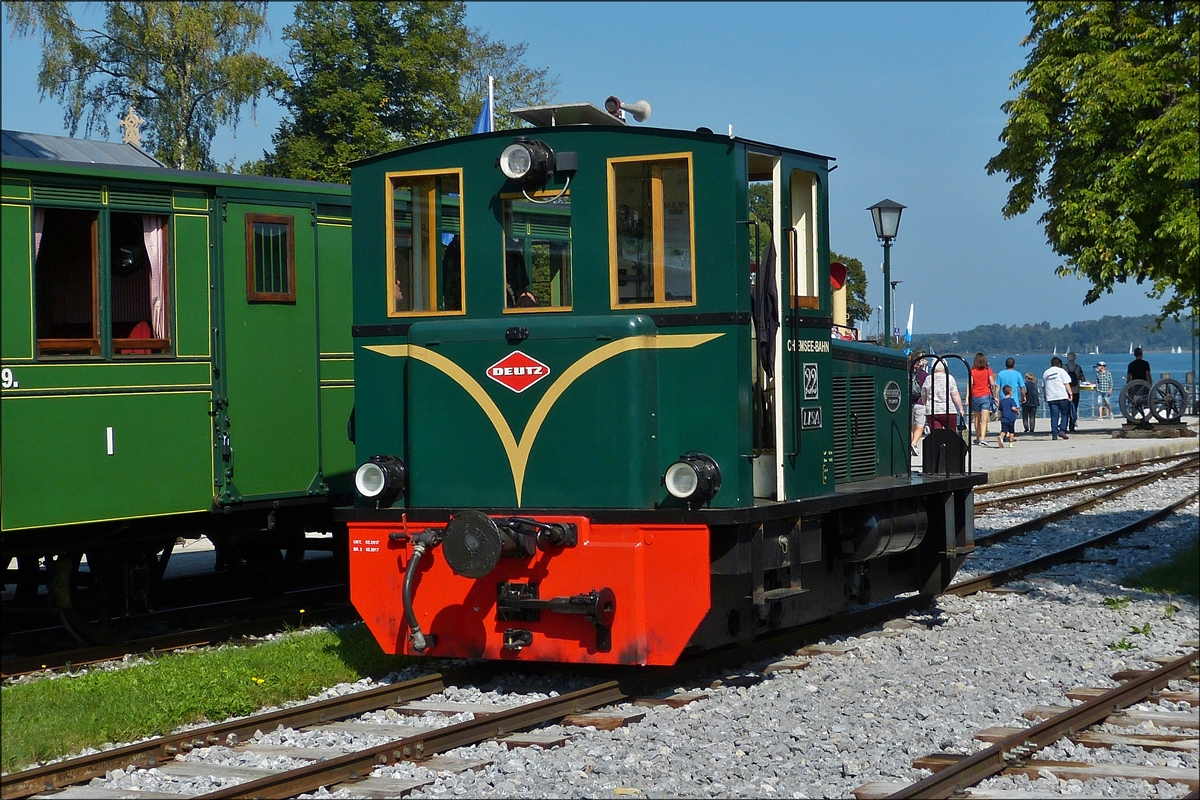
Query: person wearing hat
{"x": 1104, "y": 386}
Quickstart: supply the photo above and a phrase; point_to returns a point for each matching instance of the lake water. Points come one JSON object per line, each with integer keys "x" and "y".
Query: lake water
{"x": 1177, "y": 364}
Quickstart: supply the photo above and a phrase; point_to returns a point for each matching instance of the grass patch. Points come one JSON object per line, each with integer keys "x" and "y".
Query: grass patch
{"x": 1179, "y": 576}
{"x": 52, "y": 718}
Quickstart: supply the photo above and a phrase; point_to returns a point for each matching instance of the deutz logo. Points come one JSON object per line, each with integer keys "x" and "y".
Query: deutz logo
{"x": 517, "y": 371}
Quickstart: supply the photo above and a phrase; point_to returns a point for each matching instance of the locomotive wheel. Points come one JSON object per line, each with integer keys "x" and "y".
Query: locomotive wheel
{"x": 1167, "y": 399}
{"x": 104, "y": 598}
{"x": 1135, "y": 401}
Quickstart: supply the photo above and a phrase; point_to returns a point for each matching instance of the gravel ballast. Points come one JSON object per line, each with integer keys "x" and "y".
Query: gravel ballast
{"x": 918, "y": 687}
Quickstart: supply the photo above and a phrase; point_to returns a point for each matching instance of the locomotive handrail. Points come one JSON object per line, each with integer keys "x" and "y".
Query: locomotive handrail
{"x": 793, "y": 240}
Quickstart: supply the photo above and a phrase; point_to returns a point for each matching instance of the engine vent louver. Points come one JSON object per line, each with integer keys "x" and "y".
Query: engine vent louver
{"x": 854, "y": 427}
{"x": 120, "y": 198}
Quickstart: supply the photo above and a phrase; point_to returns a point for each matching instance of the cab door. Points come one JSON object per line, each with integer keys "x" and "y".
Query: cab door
{"x": 269, "y": 369}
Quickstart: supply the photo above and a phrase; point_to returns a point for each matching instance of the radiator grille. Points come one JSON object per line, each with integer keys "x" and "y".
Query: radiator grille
{"x": 854, "y": 427}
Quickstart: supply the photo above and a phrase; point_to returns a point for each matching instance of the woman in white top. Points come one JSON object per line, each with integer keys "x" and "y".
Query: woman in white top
{"x": 939, "y": 391}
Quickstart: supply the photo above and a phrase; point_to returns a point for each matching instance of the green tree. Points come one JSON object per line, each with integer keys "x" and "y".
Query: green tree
{"x": 367, "y": 78}
{"x": 185, "y": 67}
{"x": 1105, "y": 129}
{"x": 516, "y": 83}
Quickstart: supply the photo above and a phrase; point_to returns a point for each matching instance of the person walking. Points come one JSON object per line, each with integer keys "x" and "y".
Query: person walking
{"x": 1029, "y": 403}
{"x": 1008, "y": 418}
{"x": 1104, "y": 387}
{"x": 1057, "y": 385}
{"x": 919, "y": 374}
{"x": 1077, "y": 377}
{"x": 938, "y": 394}
{"x": 1010, "y": 377}
{"x": 983, "y": 396}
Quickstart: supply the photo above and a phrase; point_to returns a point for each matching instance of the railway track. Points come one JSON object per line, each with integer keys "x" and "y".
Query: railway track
{"x": 1013, "y": 749}
{"x": 615, "y": 686}
{"x": 1075, "y": 475}
{"x": 1119, "y": 480}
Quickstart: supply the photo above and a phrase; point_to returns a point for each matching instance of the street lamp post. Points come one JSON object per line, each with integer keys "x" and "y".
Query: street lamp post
{"x": 886, "y": 216}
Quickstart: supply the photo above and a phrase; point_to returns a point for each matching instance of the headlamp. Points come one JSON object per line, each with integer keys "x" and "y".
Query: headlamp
{"x": 381, "y": 479}
{"x": 695, "y": 478}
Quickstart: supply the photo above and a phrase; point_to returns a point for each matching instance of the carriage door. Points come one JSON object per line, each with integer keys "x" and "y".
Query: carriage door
{"x": 270, "y": 352}
{"x": 766, "y": 207}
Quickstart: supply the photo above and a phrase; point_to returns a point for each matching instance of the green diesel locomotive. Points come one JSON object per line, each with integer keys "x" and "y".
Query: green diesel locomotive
{"x": 175, "y": 361}
{"x": 600, "y": 415}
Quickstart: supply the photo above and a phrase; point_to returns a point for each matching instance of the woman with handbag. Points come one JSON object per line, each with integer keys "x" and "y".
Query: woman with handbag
{"x": 983, "y": 396}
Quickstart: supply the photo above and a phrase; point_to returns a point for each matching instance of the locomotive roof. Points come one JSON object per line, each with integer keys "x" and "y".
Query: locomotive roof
{"x": 583, "y": 130}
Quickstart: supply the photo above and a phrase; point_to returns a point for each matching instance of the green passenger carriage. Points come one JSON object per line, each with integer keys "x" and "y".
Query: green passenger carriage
{"x": 176, "y": 361}
{"x": 600, "y": 415}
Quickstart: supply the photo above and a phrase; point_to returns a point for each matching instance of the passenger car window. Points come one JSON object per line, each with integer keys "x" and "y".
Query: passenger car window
{"x": 66, "y": 269}
{"x": 651, "y": 231}
{"x": 537, "y": 252}
{"x": 139, "y": 264}
{"x": 270, "y": 259}
{"x": 424, "y": 269}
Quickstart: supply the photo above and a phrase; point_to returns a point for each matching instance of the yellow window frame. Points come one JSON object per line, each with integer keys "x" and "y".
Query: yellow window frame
{"x": 540, "y": 193}
{"x": 390, "y": 180}
{"x": 656, "y": 199}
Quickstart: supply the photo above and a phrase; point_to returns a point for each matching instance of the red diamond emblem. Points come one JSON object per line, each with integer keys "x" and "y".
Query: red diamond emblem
{"x": 517, "y": 371}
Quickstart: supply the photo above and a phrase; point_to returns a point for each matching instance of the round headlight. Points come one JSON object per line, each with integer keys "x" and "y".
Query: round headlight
{"x": 695, "y": 478}
{"x": 381, "y": 479}
{"x": 515, "y": 161}
{"x": 681, "y": 480}
{"x": 369, "y": 479}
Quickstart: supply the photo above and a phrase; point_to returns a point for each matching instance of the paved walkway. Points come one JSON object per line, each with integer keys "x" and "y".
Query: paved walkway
{"x": 1092, "y": 445}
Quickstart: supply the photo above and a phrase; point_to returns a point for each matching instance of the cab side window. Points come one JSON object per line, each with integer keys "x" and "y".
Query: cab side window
{"x": 425, "y": 265}
{"x": 537, "y": 252}
{"x": 651, "y": 231}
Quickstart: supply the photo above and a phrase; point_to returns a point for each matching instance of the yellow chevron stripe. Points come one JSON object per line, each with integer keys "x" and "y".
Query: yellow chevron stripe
{"x": 518, "y": 454}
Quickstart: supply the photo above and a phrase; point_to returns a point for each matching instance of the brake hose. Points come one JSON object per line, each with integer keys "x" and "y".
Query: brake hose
{"x": 422, "y": 542}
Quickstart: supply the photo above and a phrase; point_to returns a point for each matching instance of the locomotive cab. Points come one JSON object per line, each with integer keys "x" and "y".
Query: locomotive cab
{"x": 616, "y": 423}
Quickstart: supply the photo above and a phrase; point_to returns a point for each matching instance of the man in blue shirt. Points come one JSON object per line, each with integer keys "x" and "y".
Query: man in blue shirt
{"x": 1010, "y": 377}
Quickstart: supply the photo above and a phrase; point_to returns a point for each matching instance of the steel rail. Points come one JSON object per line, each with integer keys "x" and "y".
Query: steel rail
{"x": 1055, "y": 477}
{"x": 985, "y": 763}
{"x": 1037, "y": 523}
{"x": 164, "y": 748}
{"x": 358, "y": 765}
{"x": 630, "y": 682}
{"x": 1000, "y": 577}
{"x": 983, "y": 505}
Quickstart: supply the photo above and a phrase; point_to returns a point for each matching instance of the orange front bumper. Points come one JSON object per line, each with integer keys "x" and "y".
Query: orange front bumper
{"x": 659, "y": 575}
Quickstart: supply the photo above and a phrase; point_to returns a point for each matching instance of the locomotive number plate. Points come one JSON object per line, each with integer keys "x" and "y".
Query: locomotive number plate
{"x": 811, "y": 385}
{"x": 810, "y": 418}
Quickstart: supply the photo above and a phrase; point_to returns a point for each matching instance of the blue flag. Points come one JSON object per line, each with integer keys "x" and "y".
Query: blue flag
{"x": 484, "y": 123}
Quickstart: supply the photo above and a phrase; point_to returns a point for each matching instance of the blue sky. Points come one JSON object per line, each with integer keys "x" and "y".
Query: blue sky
{"x": 906, "y": 96}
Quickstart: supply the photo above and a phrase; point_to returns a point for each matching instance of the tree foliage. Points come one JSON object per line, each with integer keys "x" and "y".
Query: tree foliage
{"x": 1105, "y": 129}
{"x": 1111, "y": 334}
{"x": 185, "y": 67}
{"x": 366, "y": 78}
